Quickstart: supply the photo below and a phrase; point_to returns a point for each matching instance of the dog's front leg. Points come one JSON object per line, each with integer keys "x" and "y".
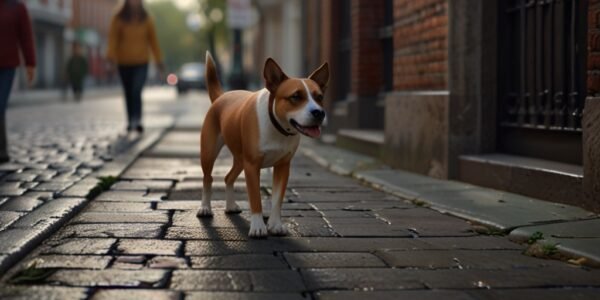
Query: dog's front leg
{"x": 281, "y": 173}
{"x": 257, "y": 225}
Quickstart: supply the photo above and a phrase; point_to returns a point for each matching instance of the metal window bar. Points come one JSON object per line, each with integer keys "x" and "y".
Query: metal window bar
{"x": 543, "y": 85}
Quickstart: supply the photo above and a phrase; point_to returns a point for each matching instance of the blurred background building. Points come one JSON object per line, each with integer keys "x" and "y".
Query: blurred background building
{"x": 49, "y": 18}
{"x": 89, "y": 27}
{"x": 487, "y": 92}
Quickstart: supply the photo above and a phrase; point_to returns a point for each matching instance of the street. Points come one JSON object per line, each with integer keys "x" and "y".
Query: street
{"x": 141, "y": 239}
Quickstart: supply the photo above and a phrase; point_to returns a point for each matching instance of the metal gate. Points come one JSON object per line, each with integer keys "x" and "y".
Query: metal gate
{"x": 542, "y": 56}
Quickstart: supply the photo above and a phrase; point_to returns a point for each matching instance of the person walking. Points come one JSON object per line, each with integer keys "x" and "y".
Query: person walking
{"x": 15, "y": 34}
{"x": 77, "y": 69}
{"x": 131, "y": 38}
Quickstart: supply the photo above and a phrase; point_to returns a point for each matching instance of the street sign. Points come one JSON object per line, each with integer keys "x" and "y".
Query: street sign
{"x": 240, "y": 14}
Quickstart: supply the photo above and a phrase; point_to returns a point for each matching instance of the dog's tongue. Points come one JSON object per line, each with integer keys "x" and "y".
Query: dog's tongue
{"x": 313, "y": 132}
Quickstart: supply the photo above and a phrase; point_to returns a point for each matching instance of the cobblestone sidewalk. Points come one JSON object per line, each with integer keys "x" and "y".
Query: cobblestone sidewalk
{"x": 142, "y": 240}
{"x": 57, "y": 152}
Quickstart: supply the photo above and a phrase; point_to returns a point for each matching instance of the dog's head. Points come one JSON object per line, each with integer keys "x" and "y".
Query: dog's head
{"x": 298, "y": 102}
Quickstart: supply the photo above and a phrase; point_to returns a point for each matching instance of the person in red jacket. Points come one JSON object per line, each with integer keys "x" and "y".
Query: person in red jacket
{"x": 15, "y": 35}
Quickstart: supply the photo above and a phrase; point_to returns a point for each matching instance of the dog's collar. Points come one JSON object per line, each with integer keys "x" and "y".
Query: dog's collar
{"x": 274, "y": 120}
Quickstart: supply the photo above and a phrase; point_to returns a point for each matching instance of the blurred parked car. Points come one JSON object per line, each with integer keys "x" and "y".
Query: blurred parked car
{"x": 190, "y": 76}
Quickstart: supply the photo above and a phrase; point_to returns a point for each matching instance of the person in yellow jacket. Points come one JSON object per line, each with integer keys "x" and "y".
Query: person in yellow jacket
{"x": 132, "y": 37}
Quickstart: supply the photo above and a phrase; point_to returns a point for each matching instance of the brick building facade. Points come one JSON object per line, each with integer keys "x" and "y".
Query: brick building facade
{"x": 487, "y": 92}
{"x": 89, "y": 27}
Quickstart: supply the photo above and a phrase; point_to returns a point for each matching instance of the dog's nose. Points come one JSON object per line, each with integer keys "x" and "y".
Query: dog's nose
{"x": 318, "y": 114}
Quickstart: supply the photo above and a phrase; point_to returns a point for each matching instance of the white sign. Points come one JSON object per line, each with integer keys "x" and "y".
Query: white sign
{"x": 240, "y": 14}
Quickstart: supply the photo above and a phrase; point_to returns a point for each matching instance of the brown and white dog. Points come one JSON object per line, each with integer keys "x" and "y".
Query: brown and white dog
{"x": 261, "y": 129}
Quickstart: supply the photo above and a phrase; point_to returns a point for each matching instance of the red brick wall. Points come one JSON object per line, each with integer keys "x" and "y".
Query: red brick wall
{"x": 593, "y": 61}
{"x": 367, "y": 58}
{"x": 421, "y": 44}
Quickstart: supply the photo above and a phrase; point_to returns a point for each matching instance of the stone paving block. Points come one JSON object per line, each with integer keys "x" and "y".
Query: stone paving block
{"x": 179, "y": 205}
{"x": 242, "y": 296}
{"x": 131, "y": 196}
{"x": 23, "y": 177}
{"x": 21, "y": 203}
{"x": 565, "y": 276}
{"x": 219, "y": 220}
{"x": 371, "y": 230}
{"x": 202, "y": 248}
{"x": 38, "y": 292}
{"x": 363, "y": 205}
{"x": 151, "y": 247}
{"x": 167, "y": 262}
{"x": 394, "y": 295}
{"x": 81, "y": 188}
{"x": 537, "y": 294}
{"x": 71, "y": 261}
{"x": 238, "y": 262}
{"x": 464, "y": 259}
{"x": 163, "y": 168}
{"x": 333, "y": 260}
{"x": 51, "y": 212}
{"x": 122, "y": 217}
{"x": 471, "y": 243}
{"x": 17, "y": 239}
{"x": 7, "y": 218}
{"x": 129, "y": 262}
{"x": 79, "y": 246}
{"x": 188, "y": 280}
{"x": 360, "y": 279}
{"x": 309, "y": 227}
{"x": 143, "y": 185}
{"x": 110, "y": 278}
{"x": 53, "y": 186}
{"x": 10, "y": 167}
{"x": 11, "y": 191}
{"x": 128, "y": 294}
{"x": 98, "y": 206}
{"x": 207, "y": 233}
{"x": 131, "y": 230}
{"x": 256, "y": 280}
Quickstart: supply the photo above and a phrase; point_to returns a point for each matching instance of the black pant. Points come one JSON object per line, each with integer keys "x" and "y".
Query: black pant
{"x": 133, "y": 78}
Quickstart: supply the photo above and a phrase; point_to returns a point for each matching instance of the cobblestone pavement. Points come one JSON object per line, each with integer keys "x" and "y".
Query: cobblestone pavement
{"x": 142, "y": 240}
{"x": 55, "y": 151}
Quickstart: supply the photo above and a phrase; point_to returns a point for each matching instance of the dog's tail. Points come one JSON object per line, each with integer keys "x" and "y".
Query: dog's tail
{"x": 212, "y": 79}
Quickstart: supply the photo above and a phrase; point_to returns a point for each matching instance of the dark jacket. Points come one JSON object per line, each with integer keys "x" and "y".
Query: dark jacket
{"x": 15, "y": 34}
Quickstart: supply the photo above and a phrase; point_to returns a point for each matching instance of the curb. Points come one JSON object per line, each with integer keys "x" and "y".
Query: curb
{"x": 500, "y": 211}
{"x": 79, "y": 191}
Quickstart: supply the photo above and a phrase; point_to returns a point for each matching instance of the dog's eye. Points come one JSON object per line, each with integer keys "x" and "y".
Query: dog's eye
{"x": 295, "y": 97}
{"x": 318, "y": 97}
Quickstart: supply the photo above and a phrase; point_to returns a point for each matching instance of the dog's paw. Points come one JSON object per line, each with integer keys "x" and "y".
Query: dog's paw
{"x": 233, "y": 209}
{"x": 204, "y": 212}
{"x": 257, "y": 227}
{"x": 277, "y": 228}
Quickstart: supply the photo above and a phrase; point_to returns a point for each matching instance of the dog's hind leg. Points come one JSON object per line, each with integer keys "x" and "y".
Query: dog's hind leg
{"x": 230, "y": 206}
{"x": 210, "y": 146}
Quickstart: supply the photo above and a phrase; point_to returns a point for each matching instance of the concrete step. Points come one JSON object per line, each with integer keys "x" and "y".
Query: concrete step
{"x": 368, "y": 142}
{"x": 538, "y": 178}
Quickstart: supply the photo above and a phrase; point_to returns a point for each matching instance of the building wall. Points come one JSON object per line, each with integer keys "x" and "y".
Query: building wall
{"x": 421, "y": 45}
{"x": 49, "y": 18}
{"x": 416, "y": 112}
{"x": 591, "y": 114}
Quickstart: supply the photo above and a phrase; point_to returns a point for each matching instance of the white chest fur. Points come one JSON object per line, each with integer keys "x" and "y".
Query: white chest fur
{"x": 272, "y": 144}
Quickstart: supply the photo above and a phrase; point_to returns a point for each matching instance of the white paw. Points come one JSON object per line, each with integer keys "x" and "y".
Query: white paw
{"x": 204, "y": 211}
{"x": 232, "y": 208}
{"x": 257, "y": 226}
{"x": 277, "y": 228}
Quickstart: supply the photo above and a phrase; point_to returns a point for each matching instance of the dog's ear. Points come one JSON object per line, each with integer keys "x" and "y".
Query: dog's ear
{"x": 273, "y": 74}
{"x": 321, "y": 76}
